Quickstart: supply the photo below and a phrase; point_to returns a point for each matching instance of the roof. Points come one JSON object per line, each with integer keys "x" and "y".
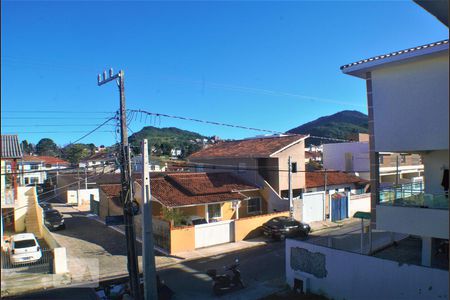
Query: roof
{"x": 46, "y": 159}
{"x": 185, "y": 189}
{"x": 10, "y": 146}
{"x": 360, "y": 67}
{"x": 23, "y": 236}
{"x": 254, "y": 148}
{"x": 317, "y": 179}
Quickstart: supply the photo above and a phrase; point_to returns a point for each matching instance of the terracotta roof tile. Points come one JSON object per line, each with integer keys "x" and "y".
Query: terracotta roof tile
{"x": 257, "y": 147}
{"x": 184, "y": 189}
{"x": 46, "y": 159}
{"x": 317, "y": 179}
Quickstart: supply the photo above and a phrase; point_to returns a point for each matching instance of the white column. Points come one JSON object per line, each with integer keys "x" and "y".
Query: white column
{"x": 206, "y": 213}
{"x": 427, "y": 246}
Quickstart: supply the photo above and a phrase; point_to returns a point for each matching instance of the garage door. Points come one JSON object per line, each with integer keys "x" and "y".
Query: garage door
{"x": 313, "y": 206}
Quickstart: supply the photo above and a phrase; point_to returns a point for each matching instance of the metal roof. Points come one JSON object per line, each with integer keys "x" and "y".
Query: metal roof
{"x": 11, "y": 147}
{"x": 395, "y": 56}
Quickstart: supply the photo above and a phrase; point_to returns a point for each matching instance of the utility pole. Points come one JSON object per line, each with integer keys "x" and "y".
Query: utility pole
{"x": 148, "y": 253}
{"x": 127, "y": 188}
{"x": 291, "y": 205}
{"x": 85, "y": 178}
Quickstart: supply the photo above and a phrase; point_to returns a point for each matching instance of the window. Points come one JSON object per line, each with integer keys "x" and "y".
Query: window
{"x": 214, "y": 211}
{"x": 34, "y": 167}
{"x": 294, "y": 167}
{"x": 254, "y": 205}
{"x": 199, "y": 168}
{"x": 242, "y": 167}
{"x": 403, "y": 158}
{"x": 48, "y": 165}
{"x": 27, "y": 180}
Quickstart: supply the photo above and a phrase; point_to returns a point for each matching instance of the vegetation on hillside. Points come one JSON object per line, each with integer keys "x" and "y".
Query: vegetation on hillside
{"x": 340, "y": 126}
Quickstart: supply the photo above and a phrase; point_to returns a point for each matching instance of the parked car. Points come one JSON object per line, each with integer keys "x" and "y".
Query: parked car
{"x": 46, "y": 206}
{"x": 24, "y": 248}
{"x": 282, "y": 227}
{"x": 53, "y": 219}
{"x": 194, "y": 220}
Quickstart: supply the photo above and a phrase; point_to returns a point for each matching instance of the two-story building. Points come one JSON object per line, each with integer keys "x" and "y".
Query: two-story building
{"x": 262, "y": 161}
{"x": 35, "y": 169}
{"x": 408, "y": 104}
{"x": 353, "y": 157}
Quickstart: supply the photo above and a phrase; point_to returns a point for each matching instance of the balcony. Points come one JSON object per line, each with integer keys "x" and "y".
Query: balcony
{"x": 412, "y": 195}
{"x": 407, "y": 209}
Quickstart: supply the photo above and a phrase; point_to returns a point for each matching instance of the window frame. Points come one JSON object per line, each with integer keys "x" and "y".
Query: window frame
{"x": 248, "y": 206}
{"x": 220, "y": 211}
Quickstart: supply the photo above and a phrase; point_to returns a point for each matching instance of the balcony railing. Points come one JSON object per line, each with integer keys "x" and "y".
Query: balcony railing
{"x": 412, "y": 195}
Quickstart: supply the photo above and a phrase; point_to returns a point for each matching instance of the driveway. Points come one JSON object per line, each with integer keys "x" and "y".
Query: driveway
{"x": 94, "y": 251}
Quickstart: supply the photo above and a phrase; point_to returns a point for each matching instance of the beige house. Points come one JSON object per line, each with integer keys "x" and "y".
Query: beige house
{"x": 262, "y": 161}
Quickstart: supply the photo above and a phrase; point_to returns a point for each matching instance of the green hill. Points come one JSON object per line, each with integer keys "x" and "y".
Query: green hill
{"x": 165, "y": 139}
{"x": 340, "y": 125}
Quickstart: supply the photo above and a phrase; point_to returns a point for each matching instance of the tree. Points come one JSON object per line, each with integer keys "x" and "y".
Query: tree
{"x": 75, "y": 152}
{"x": 27, "y": 148}
{"x": 47, "y": 146}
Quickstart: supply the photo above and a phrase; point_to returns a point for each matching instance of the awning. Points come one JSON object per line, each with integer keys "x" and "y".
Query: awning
{"x": 362, "y": 215}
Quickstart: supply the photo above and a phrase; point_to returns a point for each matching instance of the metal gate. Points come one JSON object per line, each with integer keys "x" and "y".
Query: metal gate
{"x": 214, "y": 233}
{"x": 43, "y": 266}
{"x": 95, "y": 207}
{"x": 313, "y": 206}
{"x": 339, "y": 206}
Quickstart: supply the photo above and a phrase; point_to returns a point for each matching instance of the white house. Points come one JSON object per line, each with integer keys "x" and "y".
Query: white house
{"x": 408, "y": 104}
{"x": 34, "y": 169}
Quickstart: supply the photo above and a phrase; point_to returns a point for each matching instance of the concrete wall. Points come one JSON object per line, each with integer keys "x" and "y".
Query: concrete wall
{"x": 434, "y": 163}
{"x": 334, "y": 156}
{"x": 20, "y": 208}
{"x": 413, "y": 220}
{"x": 411, "y": 102}
{"x": 358, "y": 203}
{"x": 250, "y": 227}
{"x": 338, "y": 275}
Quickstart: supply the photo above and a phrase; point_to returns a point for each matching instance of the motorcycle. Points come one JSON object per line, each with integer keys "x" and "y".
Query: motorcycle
{"x": 226, "y": 283}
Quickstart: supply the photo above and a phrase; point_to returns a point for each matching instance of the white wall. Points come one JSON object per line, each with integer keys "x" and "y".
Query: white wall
{"x": 413, "y": 220}
{"x": 334, "y": 156}
{"x": 354, "y": 276}
{"x": 358, "y": 203}
{"x": 411, "y": 105}
{"x": 434, "y": 162}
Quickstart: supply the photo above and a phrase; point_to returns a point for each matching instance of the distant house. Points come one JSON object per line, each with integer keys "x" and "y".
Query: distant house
{"x": 262, "y": 161}
{"x": 335, "y": 181}
{"x": 354, "y": 157}
{"x": 40, "y": 165}
{"x": 313, "y": 156}
{"x": 195, "y": 210}
{"x": 175, "y": 152}
{"x": 101, "y": 161}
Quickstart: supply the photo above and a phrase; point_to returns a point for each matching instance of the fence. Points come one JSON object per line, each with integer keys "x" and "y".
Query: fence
{"x": 42, "y": 266}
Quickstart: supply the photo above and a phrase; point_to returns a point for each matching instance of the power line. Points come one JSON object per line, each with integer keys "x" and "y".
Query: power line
{"x": 52, "y": 125}
{"x": 35, "y": 132}
{"x": 229, "y": 125}
{"x": 59, "y": 111}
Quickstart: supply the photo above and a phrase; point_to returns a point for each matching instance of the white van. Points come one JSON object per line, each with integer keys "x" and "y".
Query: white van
{"x": 24, "y": 248}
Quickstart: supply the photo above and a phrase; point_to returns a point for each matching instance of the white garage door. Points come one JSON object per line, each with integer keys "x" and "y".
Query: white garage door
{"x": 313, "y": 206}
{"x": 214, "y": 233}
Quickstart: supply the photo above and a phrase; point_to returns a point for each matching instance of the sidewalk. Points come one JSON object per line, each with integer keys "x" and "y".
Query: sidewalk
{"x": 169, "y": 260}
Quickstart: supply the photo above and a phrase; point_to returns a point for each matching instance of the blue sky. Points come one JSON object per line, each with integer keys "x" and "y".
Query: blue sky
{"x": 271, "y": 65}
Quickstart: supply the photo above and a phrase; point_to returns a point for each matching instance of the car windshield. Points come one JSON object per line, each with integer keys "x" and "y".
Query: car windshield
{"x": 24, "y": 244}
{"x": 52, "y": 214}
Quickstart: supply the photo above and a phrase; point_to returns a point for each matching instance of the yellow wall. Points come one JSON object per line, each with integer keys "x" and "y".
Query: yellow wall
{"x": 182, "y": 239}
{"x": 244, "y": 203}
{"x": 198, "y": 210}
{"x": 247, "y": 228}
